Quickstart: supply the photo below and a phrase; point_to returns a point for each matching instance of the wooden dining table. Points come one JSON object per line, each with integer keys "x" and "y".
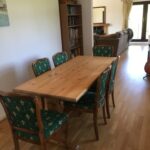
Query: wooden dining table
{"x": 69, "y": 81}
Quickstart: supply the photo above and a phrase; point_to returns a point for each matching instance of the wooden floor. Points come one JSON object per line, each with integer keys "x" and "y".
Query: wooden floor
{"x": 129, "y": 126}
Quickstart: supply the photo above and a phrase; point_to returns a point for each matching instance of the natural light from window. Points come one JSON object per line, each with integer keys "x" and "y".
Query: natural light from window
{"x": 148, "y": 22}
{"x": 135, "y": 20}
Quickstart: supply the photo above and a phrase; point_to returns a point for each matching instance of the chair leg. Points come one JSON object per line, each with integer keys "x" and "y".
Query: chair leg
{"x": 113, "y": 100}
{"x": 104, "y": 115}
{"x": 107, "y": 105}
{"x": 66, "y": 135}
{"x": 43, "y": 146}
{"x": 95, "y": 124}
{"x": 16, "y": 142}
{"x": 44, "y": 103}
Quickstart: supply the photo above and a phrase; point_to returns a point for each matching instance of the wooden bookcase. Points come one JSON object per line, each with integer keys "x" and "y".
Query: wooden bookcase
{"x": 71, "y": 27}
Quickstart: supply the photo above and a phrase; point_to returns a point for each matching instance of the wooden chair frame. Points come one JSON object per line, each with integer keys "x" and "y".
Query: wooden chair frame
{"x": 111, "y": 92}
{"x": 96, "y": 108}
{"x": 44, "y": 103}
{"x": 40, "y": 133}
{"x": 36, "y": 61}
{"x": 53, "y": 57}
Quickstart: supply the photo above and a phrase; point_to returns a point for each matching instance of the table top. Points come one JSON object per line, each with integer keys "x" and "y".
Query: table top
{"x": 68, "y": 81}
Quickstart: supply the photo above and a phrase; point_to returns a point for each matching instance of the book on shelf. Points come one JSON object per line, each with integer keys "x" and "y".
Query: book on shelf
{"x": 72, "y": 10}
{"x": 74, "y": 37}
{"x": 73, "y": 20}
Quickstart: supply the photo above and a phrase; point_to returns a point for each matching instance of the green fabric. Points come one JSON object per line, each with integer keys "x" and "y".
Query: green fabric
{"x": 41, "y": 66}
{"x": 88, "y": 100}
{"x": 22, "y": 115}
{"x": 52, "y": 121}
{"x": 21, "y": 112}
{"x": 100, "y": 50}
{"x": 27, "y": 136}
{"x": 60, "y": 58}
{"x": 112, "y": 76}
{"x": 102, "y": 88}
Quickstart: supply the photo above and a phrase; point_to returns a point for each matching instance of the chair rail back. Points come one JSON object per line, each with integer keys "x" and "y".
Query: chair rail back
{"x": 102, "y": 87}
{"x": 113, "y": 74}
{"x": 41, "y": 66}
{"x": 20, "y": 111}
{"x": 60, "y": 58}
{"x": 103, "y": 50}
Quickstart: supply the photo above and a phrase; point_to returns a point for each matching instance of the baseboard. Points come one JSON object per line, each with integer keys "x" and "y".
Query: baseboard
{"x": 2, "y": 117}
{"x": 138, "y": 43}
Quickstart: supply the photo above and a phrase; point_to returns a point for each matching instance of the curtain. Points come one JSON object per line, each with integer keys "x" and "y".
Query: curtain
{"x": 127, "y": 5}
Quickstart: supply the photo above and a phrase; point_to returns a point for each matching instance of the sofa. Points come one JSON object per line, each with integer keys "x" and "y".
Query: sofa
{"x": 119, "y": 40}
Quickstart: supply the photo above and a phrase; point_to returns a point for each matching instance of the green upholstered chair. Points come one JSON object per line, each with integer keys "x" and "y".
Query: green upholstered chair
{"x": 92, "y": 101}
{"x": 111, "y": 85}
{"x": 103, "y": 50}
{"x": 28, "y": 121}
{"x": 60, "y": 58}
{"x": 41, "y": 66}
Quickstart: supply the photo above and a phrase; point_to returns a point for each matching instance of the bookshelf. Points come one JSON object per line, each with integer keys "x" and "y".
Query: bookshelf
{"x": 71, "y": 27}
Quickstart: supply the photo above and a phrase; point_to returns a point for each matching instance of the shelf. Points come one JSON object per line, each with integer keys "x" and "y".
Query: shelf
{"x": 101, "y": 28}
{"x": 74, "y": 26}
{"x": 76, "y": 47}
{"x": 71, "y": 27}
{"x": 101, "y": 24}
{"x": 70, "y": 15}
{"x": 71, "y": 4}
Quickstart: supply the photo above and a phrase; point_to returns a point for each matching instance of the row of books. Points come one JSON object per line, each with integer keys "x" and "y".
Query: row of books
{"x": 75, "y": 52}
{"x": 73, "y": 20}
{"x": 72, "y": 10}
{"x": 74, "y": 37}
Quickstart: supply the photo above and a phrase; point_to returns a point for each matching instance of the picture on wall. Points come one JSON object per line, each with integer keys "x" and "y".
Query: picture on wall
{"x": 4, "y": 20}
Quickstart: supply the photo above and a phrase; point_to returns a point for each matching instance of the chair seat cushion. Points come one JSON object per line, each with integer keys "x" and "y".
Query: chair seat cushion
{"x": 51, "y": 122}
{"x": 86, "y": 102}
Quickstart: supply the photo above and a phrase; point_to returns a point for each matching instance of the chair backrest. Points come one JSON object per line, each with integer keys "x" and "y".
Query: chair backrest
{"x": 60, "y": 58}
{"x": 103, "y": 50}
{"x": 20, "y": 111}
{"x": 41, "y": 66}
{"x": 102, "y": 87}
{"x": 113, "y": 74}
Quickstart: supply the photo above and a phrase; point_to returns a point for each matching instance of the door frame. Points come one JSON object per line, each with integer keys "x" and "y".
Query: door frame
{"x": 144, "y": 24}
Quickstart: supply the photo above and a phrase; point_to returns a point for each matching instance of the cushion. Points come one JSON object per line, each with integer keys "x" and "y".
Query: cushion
{"x": 100, "y": 50}
{"x": 41, "y": 66}
{"x": 112, "y": 77}
{"x": 60, "y": 58}
{"x": 51, "y": 121}
{"x": 86, "y": 102}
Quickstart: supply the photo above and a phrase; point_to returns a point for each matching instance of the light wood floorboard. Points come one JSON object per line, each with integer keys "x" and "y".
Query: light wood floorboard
{"x": 129, "y": 126}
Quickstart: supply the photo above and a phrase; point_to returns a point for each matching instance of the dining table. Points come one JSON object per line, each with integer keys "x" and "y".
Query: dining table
{"x": 69, "y": 81}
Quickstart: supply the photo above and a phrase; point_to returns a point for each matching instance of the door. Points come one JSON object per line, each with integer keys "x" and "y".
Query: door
{"x": 139, "y": 21}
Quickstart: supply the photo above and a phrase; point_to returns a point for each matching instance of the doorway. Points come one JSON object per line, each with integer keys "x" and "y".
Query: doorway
{"x": 139, "y": 20}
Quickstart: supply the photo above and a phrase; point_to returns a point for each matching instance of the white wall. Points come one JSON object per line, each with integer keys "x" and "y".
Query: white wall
{"x": 87, "y": 26}
{"x": 34, "y": 32}
{"x": 114, "y": 13}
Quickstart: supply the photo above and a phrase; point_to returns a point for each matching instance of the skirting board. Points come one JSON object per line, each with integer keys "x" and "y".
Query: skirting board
{"x": 138, "y": 43}
{"x": 2, "y": 117}
{"x": 2, "y": 113}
